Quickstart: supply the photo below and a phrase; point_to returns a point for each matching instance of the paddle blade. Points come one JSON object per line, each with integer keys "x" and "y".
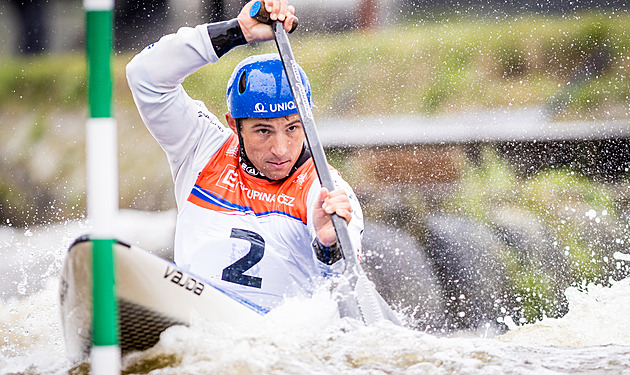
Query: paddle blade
{"x": 373, "y": 306}
{"x": 359, "y": 299}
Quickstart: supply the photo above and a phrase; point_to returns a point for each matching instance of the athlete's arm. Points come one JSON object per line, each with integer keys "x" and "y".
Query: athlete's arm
{"x": 344, "y": 202}
{"x": 155, "y": 76}
{"x": 327, "y": 203}
{"x": 185, "y": 129}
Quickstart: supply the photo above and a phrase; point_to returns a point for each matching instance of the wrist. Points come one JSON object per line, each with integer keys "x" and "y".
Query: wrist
{"x": 327, "y": 254}
{"x": 225, "y": 36}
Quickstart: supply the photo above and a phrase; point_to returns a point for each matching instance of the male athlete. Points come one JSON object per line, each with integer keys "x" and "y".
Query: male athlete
{"x": 252, "y": 217}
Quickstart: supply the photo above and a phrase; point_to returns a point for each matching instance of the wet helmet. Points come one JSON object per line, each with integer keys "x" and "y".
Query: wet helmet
{"x": 259, "y": 88}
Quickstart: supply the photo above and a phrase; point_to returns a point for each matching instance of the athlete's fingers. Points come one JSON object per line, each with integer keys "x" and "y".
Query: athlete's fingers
{"x": 345, "y": 214}
{"x": 323, "y": 194}
{"x": 338, "y": 193}
{"x": 334, "y": 206}
{"x": 269, "y": 5}
{"x": 338, "y": 203}
{"x": 337, "y": 198}
{"x": 275, "y": 9}
{"x": 290, "y": 19}
{"x": 341, "y": 199}
{"x": 282, "y": 11}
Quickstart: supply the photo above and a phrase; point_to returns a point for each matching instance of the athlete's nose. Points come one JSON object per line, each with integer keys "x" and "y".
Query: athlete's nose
{"x": 279, "y": 145}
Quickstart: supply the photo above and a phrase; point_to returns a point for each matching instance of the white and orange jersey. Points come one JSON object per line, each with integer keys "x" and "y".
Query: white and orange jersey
{"x": 247, "y": 234}
{"x": 243, "y": 234}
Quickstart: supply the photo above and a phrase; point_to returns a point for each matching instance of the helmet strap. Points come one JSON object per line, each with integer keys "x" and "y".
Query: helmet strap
{"x": 249, "y": 167}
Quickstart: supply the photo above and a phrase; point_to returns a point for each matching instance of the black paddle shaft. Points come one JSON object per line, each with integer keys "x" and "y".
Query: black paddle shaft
{"x": 357, "y": 296}
{"x": 312, "y": 137}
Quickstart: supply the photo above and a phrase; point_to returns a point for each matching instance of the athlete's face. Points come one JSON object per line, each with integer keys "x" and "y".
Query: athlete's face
{"x": 273, "y": 145}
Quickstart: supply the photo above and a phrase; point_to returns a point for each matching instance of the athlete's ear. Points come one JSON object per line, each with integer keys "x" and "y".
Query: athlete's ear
{"x": 231, "y": 121}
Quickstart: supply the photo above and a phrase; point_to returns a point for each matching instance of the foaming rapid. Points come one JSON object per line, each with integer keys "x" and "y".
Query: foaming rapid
{"x": 308, "y": 337}
{"x": 597, "y": 316}
{"x": 304, "y": 336}
{"x": 31, "y": 333}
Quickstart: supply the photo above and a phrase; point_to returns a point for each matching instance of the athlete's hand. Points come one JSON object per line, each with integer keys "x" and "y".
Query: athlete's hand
{"x": 255, "y": 31}
{"x": 327, "y": 203}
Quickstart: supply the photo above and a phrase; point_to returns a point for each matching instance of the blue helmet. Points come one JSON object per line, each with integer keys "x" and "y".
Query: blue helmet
{"x": 259, "y": 88}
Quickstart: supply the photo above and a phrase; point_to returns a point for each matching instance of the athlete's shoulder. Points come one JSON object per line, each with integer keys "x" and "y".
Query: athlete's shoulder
{"x": 225, "y": 153}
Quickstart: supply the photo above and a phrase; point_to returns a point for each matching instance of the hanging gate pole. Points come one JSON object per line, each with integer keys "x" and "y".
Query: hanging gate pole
{"x": 102, "y": 185}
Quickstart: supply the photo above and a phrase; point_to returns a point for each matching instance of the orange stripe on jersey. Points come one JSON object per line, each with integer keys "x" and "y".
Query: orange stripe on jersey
{"x": 223, "y": 186}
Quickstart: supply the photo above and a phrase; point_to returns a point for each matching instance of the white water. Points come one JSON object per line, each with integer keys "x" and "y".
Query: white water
{"x": 303, "y": 336}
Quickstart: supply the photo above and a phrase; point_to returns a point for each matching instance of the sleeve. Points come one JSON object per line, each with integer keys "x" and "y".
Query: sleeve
{"x": 355, "y": 227}
{"x": 183, "y": 127}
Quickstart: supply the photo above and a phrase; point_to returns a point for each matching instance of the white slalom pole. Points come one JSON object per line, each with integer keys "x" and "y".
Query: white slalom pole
{"x": 102, "y": 186}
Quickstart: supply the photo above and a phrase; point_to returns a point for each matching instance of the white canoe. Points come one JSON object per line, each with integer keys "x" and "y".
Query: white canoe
{"x": 153, "y": 294}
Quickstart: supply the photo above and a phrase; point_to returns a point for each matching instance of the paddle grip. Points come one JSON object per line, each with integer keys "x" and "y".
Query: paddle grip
{"x": 259, "y": 12}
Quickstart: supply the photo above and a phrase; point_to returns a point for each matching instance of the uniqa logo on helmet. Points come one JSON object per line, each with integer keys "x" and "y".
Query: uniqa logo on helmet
{"x": 258, "y": 88}
{"x": 259, "y": 108}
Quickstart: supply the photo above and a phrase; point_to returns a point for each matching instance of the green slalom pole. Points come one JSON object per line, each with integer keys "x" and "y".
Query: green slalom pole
{"x": 102, "y": 186}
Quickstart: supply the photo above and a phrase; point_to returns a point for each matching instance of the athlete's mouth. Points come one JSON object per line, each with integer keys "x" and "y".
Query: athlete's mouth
{"x": 278, "y": 164}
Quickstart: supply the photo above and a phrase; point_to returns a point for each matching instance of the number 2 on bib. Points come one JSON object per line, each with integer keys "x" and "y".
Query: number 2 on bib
{"x": 234, "y": 272}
